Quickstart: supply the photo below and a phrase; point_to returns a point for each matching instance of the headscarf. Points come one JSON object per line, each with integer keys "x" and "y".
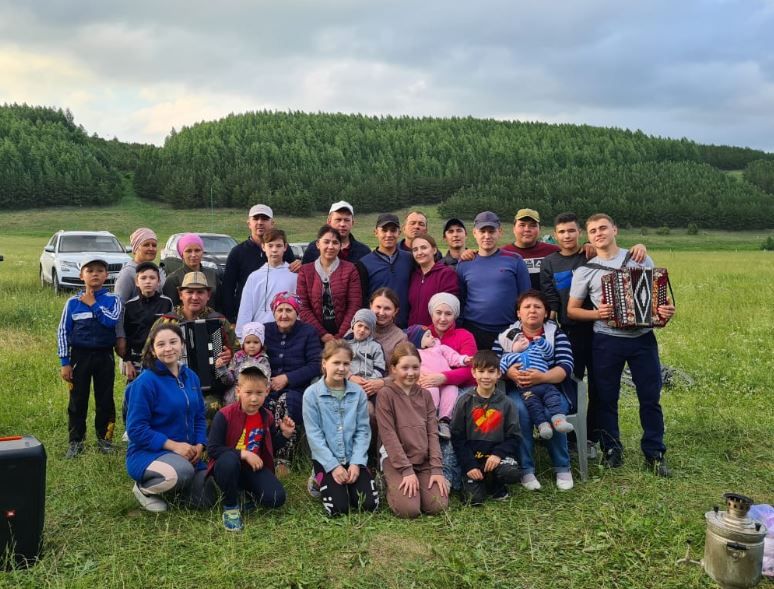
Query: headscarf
{"x": 289, "y": 298}
{"x": 444, "y": 298}
{"x": 188, "y": 239}
{"x": 253, "y": 328}
{"x": 140, "y": 236}
{"x": 367, "y": 316}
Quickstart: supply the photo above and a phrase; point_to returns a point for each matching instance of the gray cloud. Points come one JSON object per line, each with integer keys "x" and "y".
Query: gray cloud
{"x": 697, "y": 68}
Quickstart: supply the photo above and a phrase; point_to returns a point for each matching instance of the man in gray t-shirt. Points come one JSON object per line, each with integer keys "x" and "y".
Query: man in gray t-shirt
{"x": 612, "y": 348}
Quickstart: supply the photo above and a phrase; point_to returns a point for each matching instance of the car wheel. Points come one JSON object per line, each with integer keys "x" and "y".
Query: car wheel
{"x": 55, "y": 283}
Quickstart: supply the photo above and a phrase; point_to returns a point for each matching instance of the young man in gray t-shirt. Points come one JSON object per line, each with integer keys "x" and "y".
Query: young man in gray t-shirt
{"x": 612, "y": 348}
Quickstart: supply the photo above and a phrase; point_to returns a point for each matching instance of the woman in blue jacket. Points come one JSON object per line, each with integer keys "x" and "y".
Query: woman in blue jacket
{"x": 166, "y": 427}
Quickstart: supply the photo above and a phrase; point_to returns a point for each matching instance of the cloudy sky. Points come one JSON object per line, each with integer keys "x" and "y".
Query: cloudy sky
{"x": 702, "y": 69}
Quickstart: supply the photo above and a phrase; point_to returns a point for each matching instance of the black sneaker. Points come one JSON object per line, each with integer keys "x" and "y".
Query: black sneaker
{"x": 73, "y": 450}
{"x": 105, "y": 446}
{"x": 658, "y": 466}
{"x": 613, "y": 457}
{"x": 501, "y": 495}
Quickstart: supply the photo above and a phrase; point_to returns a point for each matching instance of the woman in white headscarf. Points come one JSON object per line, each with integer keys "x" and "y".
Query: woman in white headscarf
{"x": 144, "y": 247}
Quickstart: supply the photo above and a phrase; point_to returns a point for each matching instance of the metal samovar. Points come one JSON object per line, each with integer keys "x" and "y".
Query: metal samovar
{"x": 733, "y": 549}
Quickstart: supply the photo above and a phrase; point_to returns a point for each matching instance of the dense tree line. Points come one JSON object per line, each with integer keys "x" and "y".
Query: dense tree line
{"x": 45, "y": 160}
{"x": 727, "y": 157}
{"x": 298, "y": 163}
{"x": 761, "y": 174}
{"x": 672, "y": 194}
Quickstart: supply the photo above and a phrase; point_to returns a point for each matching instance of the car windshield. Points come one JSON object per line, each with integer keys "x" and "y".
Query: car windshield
{"x": 214, "y": 244}
{"x": 89, "y": 243}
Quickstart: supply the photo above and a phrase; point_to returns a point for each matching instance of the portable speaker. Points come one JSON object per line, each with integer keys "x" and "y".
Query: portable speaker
{"x": 22, "y": 499}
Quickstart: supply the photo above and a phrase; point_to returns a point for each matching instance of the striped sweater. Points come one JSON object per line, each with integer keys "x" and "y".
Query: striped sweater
{"x": 562, "y": 355}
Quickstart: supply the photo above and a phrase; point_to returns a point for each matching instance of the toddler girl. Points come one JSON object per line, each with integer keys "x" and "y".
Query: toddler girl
{"x": 252, "y": 349}
{"x": 437, "y": 357}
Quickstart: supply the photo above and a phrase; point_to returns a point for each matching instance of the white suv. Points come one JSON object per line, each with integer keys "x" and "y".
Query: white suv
{"x": 60, "y": 262}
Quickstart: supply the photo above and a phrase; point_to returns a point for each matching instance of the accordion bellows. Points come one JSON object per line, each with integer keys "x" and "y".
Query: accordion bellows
{"x": 635, "y": 294}
{"x": 203, "y": 341}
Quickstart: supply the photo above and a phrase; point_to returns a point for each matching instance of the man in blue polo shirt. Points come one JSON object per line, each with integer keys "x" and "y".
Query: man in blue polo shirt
{"x": 490, "y": 283}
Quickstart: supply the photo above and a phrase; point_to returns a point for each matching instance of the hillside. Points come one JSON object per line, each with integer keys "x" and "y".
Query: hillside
{"x": 46, "y": 160}
{"x": 299, "y": 162}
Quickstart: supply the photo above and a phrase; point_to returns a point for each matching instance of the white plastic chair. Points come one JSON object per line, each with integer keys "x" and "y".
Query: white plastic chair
{"x": 578, "y": 421}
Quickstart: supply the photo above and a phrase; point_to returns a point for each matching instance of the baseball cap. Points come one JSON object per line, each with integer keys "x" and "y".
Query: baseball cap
{"x": 452, "y": 222}
{"x": 252, "y": 364}
{"x": 341, "y": 205}
{"x": 486, "y": 219}
{"x": 387, "y": 219}
{"x": 94, "y": 260}
{"x": 261, "y": 210}
{"x": 527, "y": 214}
{"x": 194, "y": 280}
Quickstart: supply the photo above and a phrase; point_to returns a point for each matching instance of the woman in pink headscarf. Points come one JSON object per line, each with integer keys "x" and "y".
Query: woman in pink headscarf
{"x": 191, "y": 249}
{"x": 144, "y": 246}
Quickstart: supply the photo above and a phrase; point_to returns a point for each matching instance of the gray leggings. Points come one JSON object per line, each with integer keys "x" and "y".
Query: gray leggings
{"x": 172, "y": 474}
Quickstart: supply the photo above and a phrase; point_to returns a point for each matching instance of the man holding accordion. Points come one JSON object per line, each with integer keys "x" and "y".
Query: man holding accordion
{"x": 210, "y": 340}
{"x": 614, "y": 346}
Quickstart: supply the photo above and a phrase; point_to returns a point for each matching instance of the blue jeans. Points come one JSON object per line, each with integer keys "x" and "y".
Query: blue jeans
{"x": 557, "y": 445}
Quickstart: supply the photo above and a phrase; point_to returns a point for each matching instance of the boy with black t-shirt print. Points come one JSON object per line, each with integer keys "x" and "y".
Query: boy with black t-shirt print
{"x": 485, "y": 434}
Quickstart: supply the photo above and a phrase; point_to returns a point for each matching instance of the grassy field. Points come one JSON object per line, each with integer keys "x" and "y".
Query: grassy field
{"x": 621, "y": 529}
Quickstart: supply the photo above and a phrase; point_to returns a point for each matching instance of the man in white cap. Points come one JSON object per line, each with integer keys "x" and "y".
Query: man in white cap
{"x": 341, "y": 217}
{"x": 246, "y": 257}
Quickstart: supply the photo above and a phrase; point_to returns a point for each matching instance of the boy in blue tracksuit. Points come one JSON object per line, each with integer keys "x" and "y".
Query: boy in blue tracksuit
{"x": 85, "y": 340}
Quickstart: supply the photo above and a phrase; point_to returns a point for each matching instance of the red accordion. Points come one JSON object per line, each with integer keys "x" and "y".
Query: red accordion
{"x": 635, "y": 294}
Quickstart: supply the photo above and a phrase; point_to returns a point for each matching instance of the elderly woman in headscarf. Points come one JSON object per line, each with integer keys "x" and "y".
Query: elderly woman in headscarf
{"x": 295, "y": 357}
{"x": 191, "y": 249}
{"x": 144, "y": 246}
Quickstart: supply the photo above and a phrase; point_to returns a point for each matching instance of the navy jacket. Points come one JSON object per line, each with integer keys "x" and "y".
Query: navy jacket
{"x": 84, "y": 326}
{"x": 377, "y": 270}
{"x": 296, "y": 354}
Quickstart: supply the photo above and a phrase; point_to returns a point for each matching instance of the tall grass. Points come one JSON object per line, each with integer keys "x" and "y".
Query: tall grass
{"x": 623, "y": 528}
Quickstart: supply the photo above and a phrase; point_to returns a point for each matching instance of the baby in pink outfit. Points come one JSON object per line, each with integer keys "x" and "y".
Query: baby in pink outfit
{"x": 437, "y": 357}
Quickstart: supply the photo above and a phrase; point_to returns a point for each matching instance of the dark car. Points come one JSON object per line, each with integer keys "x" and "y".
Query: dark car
{"x": 216, "y": 249}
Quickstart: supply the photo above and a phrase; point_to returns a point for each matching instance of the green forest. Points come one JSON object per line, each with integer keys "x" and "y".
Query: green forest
{"x": 298, "y": 163}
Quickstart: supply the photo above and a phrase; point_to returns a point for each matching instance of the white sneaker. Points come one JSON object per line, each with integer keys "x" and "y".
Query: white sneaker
{"x": 152, "y": 503}
{"x": 530, "y": 482}
{"x": 564, "y": 481}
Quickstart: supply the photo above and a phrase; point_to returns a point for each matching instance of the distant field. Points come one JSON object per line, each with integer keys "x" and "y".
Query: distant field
{"x": 621, "y": 529}
{"x": 133, "y": 212}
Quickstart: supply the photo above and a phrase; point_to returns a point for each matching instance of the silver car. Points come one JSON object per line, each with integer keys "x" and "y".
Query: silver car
{"x": 60, "y": 262}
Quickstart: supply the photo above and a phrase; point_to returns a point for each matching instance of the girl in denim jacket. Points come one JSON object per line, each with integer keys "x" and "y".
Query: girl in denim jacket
{"x": 336, "y": 421}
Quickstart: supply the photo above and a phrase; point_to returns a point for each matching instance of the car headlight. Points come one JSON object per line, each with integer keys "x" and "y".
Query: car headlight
{"x": 72, "y": 266}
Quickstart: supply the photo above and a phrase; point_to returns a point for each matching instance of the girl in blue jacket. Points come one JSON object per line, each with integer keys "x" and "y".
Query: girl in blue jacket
{"x": 337, "y": 428}
{"x": 166, "y": 426}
